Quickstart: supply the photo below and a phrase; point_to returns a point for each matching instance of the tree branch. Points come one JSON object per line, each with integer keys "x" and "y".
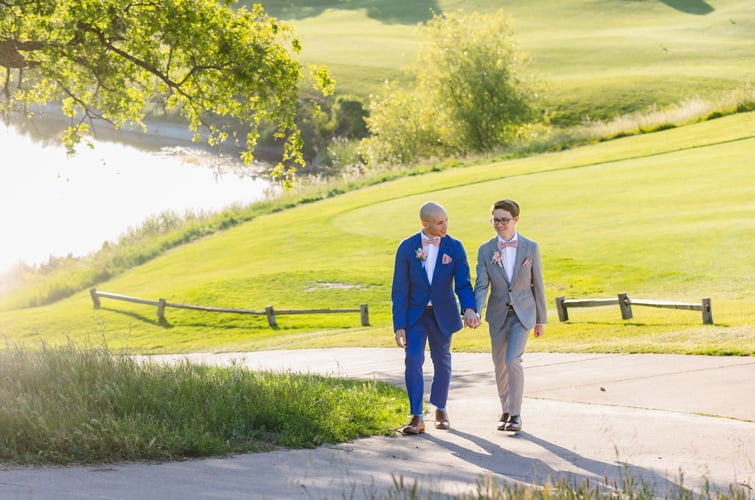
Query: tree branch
{"x": 142, "y": 64}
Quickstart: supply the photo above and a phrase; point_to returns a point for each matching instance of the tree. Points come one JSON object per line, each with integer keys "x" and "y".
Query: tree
{"x": 349, "y": 114}
{"x": 471, "y": 79}
{"x": 115, "y": 60}
{"x": 404, "y": 128}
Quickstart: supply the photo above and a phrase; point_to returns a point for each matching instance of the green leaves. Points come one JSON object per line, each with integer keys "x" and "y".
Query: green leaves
{"x": 472, "y": 92}
{"x": 224, "y": 71}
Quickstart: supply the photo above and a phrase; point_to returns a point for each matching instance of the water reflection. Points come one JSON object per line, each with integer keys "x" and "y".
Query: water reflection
{"x": 53, "y": 205}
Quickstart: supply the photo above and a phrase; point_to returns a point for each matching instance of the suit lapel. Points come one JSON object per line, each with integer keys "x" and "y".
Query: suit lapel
{"x": 418, "y": 245}
{"x": 441, "y": 250}
{"x": 493, "y": 249}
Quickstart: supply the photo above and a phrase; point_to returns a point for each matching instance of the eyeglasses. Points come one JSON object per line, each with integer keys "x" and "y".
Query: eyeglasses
{"x": 495, "y": 221}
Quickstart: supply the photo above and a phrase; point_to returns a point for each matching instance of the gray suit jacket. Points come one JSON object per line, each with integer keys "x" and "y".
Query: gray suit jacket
{"x": 526, "y": 292}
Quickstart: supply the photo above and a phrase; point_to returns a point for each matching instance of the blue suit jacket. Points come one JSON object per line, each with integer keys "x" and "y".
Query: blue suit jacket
{"x": 412, "y": 291}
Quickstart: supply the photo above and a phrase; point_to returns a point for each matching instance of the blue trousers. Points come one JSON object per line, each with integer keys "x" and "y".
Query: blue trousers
{"x": 425, "y": 331}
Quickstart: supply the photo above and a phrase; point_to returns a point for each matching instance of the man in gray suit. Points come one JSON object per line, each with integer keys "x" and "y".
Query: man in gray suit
{"x": 509, "y": 268}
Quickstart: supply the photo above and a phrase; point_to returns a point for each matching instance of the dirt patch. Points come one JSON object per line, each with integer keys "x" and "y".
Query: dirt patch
{"x": 328, "y": 285}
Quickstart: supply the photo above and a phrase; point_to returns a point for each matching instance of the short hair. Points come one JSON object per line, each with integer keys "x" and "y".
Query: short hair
{"x": 510, "y": 206}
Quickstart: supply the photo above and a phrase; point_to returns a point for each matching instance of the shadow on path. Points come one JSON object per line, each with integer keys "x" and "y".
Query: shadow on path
{"x": 616, "y": 476}
{"x": 493, "y": 459}
{"x": 497, "y": 460}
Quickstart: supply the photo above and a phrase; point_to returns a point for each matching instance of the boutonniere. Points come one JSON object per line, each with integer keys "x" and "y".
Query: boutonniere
{"x": 446, "y": 258}
{"x": 421, "y": 254}
{"x": 527, "y": 262}
{"x": 497, "y": 260}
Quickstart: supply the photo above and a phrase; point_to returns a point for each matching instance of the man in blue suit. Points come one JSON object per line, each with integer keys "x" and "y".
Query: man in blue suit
{"x": 430, "y": 267}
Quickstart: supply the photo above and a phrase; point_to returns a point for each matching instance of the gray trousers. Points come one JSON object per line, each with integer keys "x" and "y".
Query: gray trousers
{"x": 507, "y": 346}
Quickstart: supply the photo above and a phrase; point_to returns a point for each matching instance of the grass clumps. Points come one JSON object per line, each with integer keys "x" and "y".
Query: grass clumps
{"x": 67, "y": 405}
{"x": 606, "y": 489}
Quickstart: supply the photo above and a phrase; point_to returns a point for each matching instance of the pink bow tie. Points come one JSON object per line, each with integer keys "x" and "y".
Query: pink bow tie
{"x": 504, "y": 244}
{"x": 434, "y": 242}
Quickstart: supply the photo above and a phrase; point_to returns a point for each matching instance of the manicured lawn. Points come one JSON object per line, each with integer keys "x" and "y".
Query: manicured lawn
{"x": 601, "y": 59}
{"x": 666, "y": 216}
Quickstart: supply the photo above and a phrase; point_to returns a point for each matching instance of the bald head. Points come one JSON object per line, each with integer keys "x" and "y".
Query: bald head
{"x": 434, "y": 219}
{"x": 430, "y": 209}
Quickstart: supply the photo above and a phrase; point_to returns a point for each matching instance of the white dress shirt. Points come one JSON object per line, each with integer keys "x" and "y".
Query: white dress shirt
{"x": 508, "y": 255}
{"x": 432, "y": 256}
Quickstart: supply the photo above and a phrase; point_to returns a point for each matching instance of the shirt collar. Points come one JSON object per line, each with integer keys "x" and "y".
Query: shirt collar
{"x": 513, "y": 238}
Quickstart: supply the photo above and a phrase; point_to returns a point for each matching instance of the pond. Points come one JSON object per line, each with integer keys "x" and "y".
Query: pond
{"x": 53, "y": 205}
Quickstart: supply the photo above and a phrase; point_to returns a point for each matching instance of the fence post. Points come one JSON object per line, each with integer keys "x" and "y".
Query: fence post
{"x": 161, "y": 309}
{"x": 95, "y": 297}
{"x": 270, "y": 312}
{"x": 563, "y": 315}
{"x": 365, "y": 315}
{"x": 707, "y": 312}
{"x": 625, "y": 305}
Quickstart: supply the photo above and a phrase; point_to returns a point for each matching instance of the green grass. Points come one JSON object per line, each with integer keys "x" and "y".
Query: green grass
{"x": 595, "y": 62}
{"x": 603, "y": 59}
{"x": 68, "y": 404}
{"x": 666, "y": 216}
{"x": 674, "y": 193}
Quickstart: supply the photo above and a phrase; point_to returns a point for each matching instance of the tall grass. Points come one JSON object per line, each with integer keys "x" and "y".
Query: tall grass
{"x": 85, "y": 405}
{"x": 739, "y": 100}
{"x": 685, "y": 112}
{"x": 563, "y": 489}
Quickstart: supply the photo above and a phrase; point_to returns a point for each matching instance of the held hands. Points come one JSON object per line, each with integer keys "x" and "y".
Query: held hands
{"x": 471, "y": 318}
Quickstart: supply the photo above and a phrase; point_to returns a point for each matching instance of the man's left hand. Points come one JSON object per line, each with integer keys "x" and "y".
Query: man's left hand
{"x": 539, "y": 330}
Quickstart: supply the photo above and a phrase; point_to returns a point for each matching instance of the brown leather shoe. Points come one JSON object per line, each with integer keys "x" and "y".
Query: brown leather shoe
{"x": 514, "y": 424}
{"x": 502, "y": 422}
{"x": 416, "y": 426}
{"x": 441, "y": 420}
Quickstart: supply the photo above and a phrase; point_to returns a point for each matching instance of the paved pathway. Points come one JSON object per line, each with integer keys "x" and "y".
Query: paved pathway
{"x": 666, "y": 420}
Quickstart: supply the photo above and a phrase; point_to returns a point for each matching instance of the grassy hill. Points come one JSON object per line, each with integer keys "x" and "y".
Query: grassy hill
{"x": 667, "y": 216}
{"x": 602, "y": 58}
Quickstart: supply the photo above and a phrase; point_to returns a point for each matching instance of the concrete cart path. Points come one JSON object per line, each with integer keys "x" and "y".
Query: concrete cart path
{"x": 665, "y": 420}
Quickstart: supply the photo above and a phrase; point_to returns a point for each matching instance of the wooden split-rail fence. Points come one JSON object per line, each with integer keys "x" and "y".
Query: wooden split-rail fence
{"x": 269, "y": 311}
{"x": 625, "y": 305}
